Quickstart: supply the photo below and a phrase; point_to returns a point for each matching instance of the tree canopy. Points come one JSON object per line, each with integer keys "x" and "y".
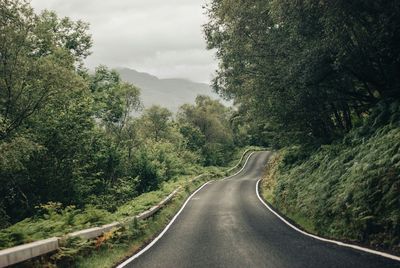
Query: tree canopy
{"x": 71, "y": 137}
{"x": 307, "y": 71}
{"x": 206, "y": 128}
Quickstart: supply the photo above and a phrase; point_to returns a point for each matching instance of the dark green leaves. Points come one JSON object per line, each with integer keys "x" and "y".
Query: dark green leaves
{"x": 307, "y": 69}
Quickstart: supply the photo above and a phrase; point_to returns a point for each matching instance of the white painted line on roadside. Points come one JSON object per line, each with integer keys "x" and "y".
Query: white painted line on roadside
{"x": 163, "y": 232}
{"x": 176, "y": 216}
{"x": 244, "y": 165}
{"x": 383, "y": 254}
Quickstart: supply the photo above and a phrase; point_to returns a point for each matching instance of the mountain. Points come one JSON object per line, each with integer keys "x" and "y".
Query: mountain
{"x": 170, "y": 93}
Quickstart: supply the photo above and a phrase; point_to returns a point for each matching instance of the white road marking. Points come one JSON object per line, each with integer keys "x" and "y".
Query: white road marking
{"x": 174, "y": 218}
{"x": 162, "y": 233}
{"x": 245, "y": 163}
{"x": 383, "y": 254}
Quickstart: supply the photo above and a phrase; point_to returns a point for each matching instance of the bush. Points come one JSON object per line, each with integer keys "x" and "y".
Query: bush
{"x": 348, "y": 190}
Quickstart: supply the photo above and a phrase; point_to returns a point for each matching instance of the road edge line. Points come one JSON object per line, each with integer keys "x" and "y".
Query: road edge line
{"x": 163, "y": 231}
{"x": 339, "y": 243}
{"x": 137, "y": 255}
{"x": 244, "y": 165}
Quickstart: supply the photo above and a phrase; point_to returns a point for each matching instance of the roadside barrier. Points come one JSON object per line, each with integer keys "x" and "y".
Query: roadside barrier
{"x": 35, "y": 249}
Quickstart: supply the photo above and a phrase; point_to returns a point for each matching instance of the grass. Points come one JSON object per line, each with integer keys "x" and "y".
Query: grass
{"x": 268, "y": 185}
{"x": 112, "y": 255}
{"x": 268, "y": 182}
{"x": 348, "y": 190}
{"x": 109, "y": 256}
{"x": 111, "y": 247}
{"x": 53, "y": 220}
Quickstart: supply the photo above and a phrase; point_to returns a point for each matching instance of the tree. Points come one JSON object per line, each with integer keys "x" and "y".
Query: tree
{"x": 45, "y": 113}
{"x": 115, "y": 101}
{"x": 205, "y": 126}
{"x": 37, "y": 54}
{"x": 156, "y": 123}
{"x": 305, "y": 69}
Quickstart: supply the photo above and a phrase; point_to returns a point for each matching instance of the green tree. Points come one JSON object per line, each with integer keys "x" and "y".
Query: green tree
{"x": 305, "y": 69}
{"x": 209, "y": 130}
{"x": 38, "y": 53}
{"x": 41, "y": 95}
{"x": 115, "y": 101}
{"x": 156, "y": 123}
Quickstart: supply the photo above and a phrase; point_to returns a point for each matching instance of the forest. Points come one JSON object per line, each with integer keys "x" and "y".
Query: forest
{"x": 319, "y": 80}
{"x": 308, "y": 71}
{"x": 72, "y": 137}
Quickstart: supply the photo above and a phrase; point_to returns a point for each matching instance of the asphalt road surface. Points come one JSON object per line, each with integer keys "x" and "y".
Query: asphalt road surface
{"x": 226, "y": 225}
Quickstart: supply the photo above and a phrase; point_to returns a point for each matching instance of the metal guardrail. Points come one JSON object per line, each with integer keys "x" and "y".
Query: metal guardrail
{"x": 240, "y": 161}
{"x": 32, "y": 250}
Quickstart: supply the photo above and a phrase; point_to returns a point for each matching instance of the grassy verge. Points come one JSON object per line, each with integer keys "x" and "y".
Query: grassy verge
{"x": 347, "y": 191}
{"x": 234, "y": 165}
{"x": 53, "y": 220}
{"x": 268, "y": 184}
{"x": 113, "y": 251}
{"x": 109, "y": 256}
{"x": 115, "y": 245}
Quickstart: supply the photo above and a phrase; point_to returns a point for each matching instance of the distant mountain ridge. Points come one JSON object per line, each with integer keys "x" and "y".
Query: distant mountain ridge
{"x": 170, "y": 93}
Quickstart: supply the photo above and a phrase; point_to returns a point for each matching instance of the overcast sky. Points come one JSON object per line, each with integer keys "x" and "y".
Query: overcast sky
{"x": 161, "y": 37}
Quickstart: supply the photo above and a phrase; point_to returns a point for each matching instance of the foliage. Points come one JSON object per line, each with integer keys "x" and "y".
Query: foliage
{"x": 305, "y": 71}
{"x": 53, "y": 220}
{"x": 41, "y": 95}
{"x": 76, "y": 151}
{"x": 156, "y": 122}
{"x": 115, "y": 101}
{"x": 207, "y": 130}
{"x": 349, "y": 189}
{"x": 38, "y": 53}
{"x": 321, "y": 78}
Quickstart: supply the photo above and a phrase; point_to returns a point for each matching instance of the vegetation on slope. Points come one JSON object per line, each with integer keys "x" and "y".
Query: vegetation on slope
{"x": 118, "y": 243}
{"x": 169, "y": 93}
{"x": 348, "y": 190}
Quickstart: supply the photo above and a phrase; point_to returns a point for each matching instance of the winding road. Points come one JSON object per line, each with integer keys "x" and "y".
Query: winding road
{"x": 224, "y": 224}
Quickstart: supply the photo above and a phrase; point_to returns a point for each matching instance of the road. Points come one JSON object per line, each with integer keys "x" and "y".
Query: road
{"x": 225, "y": 225}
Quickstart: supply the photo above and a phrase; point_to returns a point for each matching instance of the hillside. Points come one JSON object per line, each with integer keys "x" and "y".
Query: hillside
{"x": 170, "y": 93}
{"x": 348, "y": 190}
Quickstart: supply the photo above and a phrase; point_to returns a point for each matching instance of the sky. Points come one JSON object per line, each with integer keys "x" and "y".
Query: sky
{"x": 160, "y": 37}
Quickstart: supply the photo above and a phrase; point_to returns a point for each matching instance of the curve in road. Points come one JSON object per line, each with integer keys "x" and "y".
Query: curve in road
{"x": 224, "y": 224}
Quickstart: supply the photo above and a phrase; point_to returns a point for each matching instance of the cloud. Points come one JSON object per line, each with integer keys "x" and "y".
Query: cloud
{"x": 190, "y": 63}
{"x": 158, "y": 36}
